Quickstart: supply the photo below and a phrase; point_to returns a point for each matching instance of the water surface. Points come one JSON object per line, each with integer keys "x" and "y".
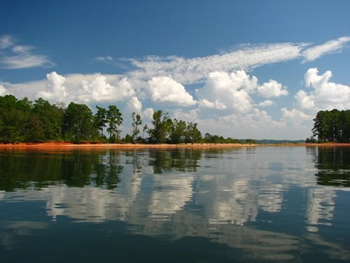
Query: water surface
{"x": 282, "y": 204}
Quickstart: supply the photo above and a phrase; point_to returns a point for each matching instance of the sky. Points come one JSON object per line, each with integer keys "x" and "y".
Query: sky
{"x": 241, "y": 69}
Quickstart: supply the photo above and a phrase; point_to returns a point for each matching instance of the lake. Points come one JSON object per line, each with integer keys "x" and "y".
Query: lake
{"x": 254, "y": 204}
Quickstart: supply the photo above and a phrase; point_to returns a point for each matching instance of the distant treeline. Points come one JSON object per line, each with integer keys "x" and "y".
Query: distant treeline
{"x": 39, "y": 121}
{"x": 331, "y": 126}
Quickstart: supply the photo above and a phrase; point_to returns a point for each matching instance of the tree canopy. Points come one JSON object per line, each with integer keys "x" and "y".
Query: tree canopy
{"x": 136, "y": 122}
{"x": 78, "y": 123}
{"x": 114, "y": 119}
{"x": 39, "y": 121}
{"x": 161, "y": 127}
{"x": 332, "y": 126}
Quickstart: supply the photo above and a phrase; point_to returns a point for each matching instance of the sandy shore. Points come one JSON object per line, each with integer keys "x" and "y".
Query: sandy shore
{"x": 64, "y": 145}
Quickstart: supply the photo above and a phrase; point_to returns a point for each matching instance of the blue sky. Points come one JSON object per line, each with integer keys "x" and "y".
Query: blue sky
{"x": 259, "y": 69}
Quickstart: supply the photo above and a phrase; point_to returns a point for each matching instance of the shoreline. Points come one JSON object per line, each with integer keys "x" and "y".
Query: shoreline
{"x": 65, "y": 145}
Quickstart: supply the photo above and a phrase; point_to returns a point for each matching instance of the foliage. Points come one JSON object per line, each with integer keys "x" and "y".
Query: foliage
{"x": 162, "y": 124}
{"x": 332, "y": 126}
{"x": 25, "y": 121}
{"x": 78, "y": 125}
{"x": 128, "y": 139}
{"x": 192, "y": 133}
{"x": 208, "y": 138}
{"x": 177, "y": 131}
{"x": 144, "y": 129}
{"x": 114, "y": 119}
{"x": 100, "y": 119}
{"x": 311, "y": 140}
{"x": 250, "y": 141}
{"x": 46, "y": 121}
{"x": 136, "y": 122}
{"x": 14, "y": 119}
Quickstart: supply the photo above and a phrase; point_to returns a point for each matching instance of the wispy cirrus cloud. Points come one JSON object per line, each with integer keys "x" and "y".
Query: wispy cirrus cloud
{"x": 5, "y": 42}
{"x": 244, "y": 57}
{"x": 14, "y": 56}
{"x": 195, "y": 70}
{"x": 331, "y": 46}
{"x": 104, "y": 59}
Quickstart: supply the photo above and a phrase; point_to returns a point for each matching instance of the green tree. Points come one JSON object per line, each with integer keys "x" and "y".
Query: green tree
{"x": 36, "y": 130}
{"x": 78, "y": 123}
{"x": 344, "y": 121}
{"x": 193, "y": 135}
{"x": 128, "y": 138}
{"x": 178, "y": 131}
{"x": 114, "y": 119}
{"x": 332, "y": 126}
{"x": 14, "y": 119}
{"x": 136, "y": 122}
{"x": 100, "y": 119}
{"x": 208, "y": 138}
{"x": 319, "y": 129}
{"x": 161, "y": 127}
{"x": 46, "y": 121}
{"x": 145, "y": 128}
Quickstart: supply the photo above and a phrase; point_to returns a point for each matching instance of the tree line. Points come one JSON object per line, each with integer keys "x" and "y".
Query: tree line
{"x": 331, "y": 126}
{"x": 39, "y": 121}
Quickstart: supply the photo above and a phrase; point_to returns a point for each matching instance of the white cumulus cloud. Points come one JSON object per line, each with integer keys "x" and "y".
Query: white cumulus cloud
{"x": 2, "y": 90}
{"x": 55, "y": 91}
{"x": 272, "y": 89}
{"x": 100, "y": 90}
{"x": 148, "y": 113}
{"x": 255, "y": 124}
{"x": 331, "y": 46}
{"x": 266, "y": 103}
{"x": 86, "y": 88}
{"x": 232, "y": 91}
{"x": 226, "y": 91}
{"x": 190, "y": 116}
{"x": 165, "y": 89}
{"x": 325, "y": 95}
{"x": 304, "y": 100}
{"x": 294, "y": 116}
{"x": 135, "y": 105}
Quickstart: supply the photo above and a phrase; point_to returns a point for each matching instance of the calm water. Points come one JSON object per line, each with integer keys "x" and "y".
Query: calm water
{"x": 282, "y": 204}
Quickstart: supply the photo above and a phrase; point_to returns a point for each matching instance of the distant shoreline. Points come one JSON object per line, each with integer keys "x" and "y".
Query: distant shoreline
{"x": 65, "y": 145}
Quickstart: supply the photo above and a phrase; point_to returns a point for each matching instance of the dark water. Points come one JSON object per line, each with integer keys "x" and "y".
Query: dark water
{"x": 281, "y": 204}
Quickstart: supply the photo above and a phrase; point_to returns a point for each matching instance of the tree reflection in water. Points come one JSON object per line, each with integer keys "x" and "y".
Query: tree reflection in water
{"x": 184, "y": 160}
{"x": 21, "y": 170}
{"x": 333, "y": 165}
{"x": 264, "y": 202}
